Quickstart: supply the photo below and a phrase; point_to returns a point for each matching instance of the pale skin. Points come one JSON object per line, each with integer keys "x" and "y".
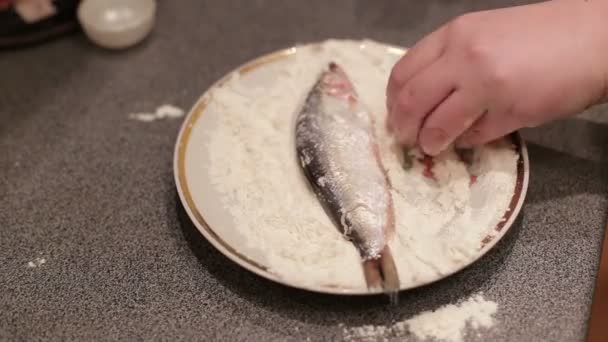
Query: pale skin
{"x": 486, "y": 74}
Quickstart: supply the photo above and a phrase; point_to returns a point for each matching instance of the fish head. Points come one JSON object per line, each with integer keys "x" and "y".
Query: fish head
{"x": 335, "y": 82}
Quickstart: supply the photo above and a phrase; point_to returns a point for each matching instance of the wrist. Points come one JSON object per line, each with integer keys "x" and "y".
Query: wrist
{"x": 588, "y": 36}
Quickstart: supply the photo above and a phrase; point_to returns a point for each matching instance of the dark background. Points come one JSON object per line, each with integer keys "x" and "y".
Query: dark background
{"x": 93, "y": 193}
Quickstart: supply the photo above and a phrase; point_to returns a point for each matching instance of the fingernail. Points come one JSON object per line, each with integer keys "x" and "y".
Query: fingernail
{"x": 433, "y": 140}
{"x": 468, "y": 122}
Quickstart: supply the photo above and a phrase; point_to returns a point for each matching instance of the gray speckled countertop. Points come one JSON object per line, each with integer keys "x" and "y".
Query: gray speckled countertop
{"x": 92, "y": 192}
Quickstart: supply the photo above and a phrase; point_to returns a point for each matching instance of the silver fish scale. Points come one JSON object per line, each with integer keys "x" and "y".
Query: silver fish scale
{"x": 335, "y": 145}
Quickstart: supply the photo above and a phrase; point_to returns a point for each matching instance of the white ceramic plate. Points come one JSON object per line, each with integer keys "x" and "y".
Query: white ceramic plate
{"x": 204, "y": 208}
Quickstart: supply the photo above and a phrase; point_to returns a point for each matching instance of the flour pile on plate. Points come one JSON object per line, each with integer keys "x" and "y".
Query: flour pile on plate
{"x": 252, "y": 166}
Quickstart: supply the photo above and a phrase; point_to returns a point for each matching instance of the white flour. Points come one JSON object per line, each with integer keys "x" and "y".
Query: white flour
{"x": 446, "y": 323}
{"x": 279, "y": 221}
{"x": 36, "y": 263}
{"x": 165, "y": 111}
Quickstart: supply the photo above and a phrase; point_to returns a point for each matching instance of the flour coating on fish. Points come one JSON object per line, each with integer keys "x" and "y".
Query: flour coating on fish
{"x": 336, "y": 145}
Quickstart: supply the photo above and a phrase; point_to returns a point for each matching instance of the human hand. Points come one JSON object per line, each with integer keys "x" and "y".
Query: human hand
{"x": 486, "y": 74}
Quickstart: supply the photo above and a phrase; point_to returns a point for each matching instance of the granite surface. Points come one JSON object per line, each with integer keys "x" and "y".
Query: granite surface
{"x": 92, "y": 193}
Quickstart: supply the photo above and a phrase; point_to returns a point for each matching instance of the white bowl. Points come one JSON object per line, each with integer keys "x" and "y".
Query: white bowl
{"x": 117, "y": 24}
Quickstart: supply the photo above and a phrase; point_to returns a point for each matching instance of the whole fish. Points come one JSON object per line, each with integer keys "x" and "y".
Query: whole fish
{"x": 337, "y": 149}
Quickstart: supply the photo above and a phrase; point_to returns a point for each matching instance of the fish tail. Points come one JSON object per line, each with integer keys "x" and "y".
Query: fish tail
{"x": 390, "y": 275}
{"x": 373, "y": 275}
{"x": 382, "y": 274}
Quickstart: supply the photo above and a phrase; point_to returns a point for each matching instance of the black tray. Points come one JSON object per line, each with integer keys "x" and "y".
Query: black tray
{"x": 16, "y": 32}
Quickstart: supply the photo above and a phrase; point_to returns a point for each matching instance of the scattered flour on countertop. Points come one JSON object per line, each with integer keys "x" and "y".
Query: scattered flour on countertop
{"x": 36, "y": 263}
{"x": 373, "y": 333}
{"x": 278, "y": 221}
{"x": 162, "y": 112}
{"x": 447, "y": 323}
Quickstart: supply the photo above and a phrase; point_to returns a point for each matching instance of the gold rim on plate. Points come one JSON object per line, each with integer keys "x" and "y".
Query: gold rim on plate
{"x": 179, "y": 166}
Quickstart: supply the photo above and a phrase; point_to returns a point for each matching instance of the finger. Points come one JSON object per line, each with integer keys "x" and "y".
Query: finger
{"x": 487, "y": 128}
{"x": 420, "y": 56}
{"x": 419, "y": 97}
{"x": 446, "y": 123}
